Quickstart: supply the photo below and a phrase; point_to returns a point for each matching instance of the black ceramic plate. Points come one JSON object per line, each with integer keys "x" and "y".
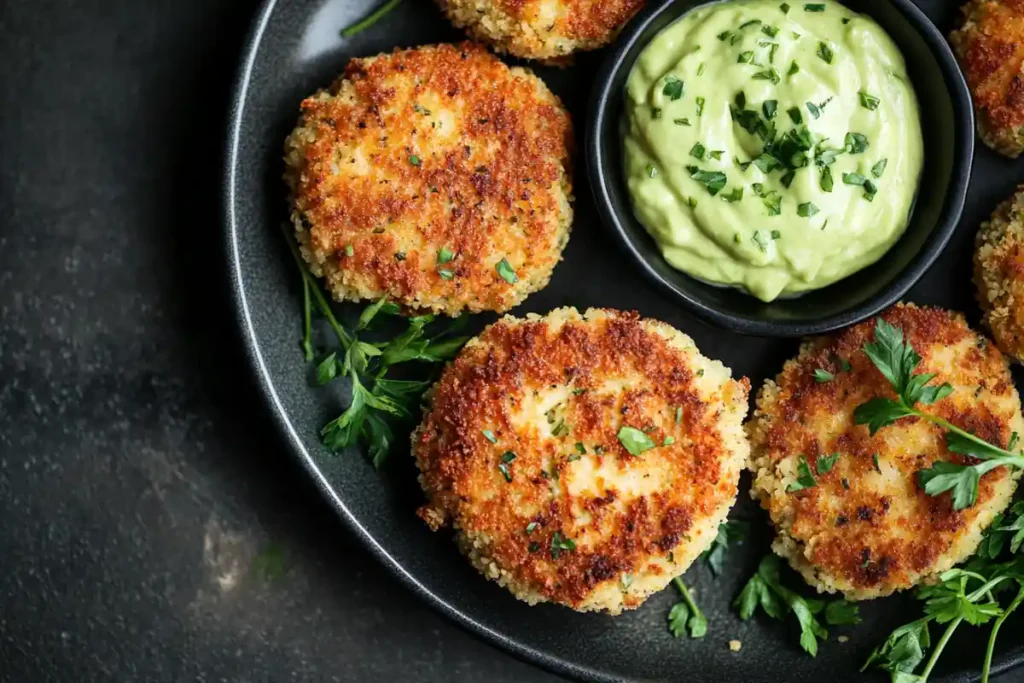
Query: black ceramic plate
{"x": 296, "y": 48}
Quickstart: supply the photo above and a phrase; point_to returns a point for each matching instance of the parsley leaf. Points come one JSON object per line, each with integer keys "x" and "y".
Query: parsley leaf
{"x": 673, "y": 88}
{"x": 686, "y": 615}
{"x": 634, "y": 440}
{"x": 805, "y": 478}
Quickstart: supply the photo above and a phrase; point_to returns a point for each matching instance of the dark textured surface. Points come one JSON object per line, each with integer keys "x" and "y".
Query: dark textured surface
{"x": 140, "y": 473}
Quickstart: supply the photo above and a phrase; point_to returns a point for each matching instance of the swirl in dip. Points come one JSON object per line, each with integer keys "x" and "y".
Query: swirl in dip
{"x": 772, "y": 146}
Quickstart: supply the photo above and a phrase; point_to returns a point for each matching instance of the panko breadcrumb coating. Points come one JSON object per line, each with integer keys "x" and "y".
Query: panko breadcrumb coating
{"x": 866, "y": 528}
{"x": 990, "y": 45}
{"x": 999, "y": 274}
{"x": 437, "y": 176}
{"x": 541, "y": 29}
{"x": 519, "y": 452}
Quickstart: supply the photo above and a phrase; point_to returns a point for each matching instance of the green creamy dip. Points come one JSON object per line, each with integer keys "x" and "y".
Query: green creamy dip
{"x": 770, "y": 146}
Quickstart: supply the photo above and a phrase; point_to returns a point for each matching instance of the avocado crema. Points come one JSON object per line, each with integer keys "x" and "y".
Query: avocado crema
{"x": 772, "y": 146}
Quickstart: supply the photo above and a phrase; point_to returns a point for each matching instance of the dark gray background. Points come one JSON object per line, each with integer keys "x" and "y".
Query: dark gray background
{"x": 140, "y": 476}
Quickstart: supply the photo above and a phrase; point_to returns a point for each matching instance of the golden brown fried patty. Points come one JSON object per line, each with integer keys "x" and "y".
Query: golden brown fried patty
{"x": 999, "y": 274}
{"x": 421, "y": 173}
{"x": 990, "y": 45}
{"x": 541, "y": 29}
{"x": 520, "y": 454}
{"x": 868, "y": 530}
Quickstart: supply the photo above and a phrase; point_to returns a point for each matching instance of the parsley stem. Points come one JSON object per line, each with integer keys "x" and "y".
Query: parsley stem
{"x": 687, "y": 598}
{"x": 307, "y": 328}
{"x": 370, "y": 20}
{"x": 946, "y": 635}
{"x": 995, "y": 632}
{"x": 311, "y": 286}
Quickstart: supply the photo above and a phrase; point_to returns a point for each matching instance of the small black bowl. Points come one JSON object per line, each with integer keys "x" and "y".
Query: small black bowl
{"x": 948, "y": 129}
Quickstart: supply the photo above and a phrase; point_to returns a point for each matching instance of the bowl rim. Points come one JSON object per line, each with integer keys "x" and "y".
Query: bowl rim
{"x": 598, "y": 158}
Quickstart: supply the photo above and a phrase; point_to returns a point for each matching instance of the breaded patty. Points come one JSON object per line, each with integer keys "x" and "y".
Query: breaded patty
{"x": 541, "y": 29}
{"x": 999, "y": 274}
{"x": 438, "y": 176}
{"x": 990, "y": 45}
{"x": 866, "y": 528}
{"x": 523, "y": 451}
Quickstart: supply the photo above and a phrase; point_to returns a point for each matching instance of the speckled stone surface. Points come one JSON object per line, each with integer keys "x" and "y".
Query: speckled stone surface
{"x": 152, "y": 527}
{"x": 139, "y": 475}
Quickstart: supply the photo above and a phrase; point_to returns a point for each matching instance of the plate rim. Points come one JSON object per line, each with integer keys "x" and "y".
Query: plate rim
{"x": 236, "y": 110}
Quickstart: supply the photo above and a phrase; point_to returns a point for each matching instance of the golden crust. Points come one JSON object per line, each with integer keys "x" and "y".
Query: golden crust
{"x": 879, "y": 532}
{"x": 548, "y": 389}
{"x": 999, "y": 274}
{"x": 438, "y": 147}
{"x": 990, "y": 45}
{"x": 541, "y": 29}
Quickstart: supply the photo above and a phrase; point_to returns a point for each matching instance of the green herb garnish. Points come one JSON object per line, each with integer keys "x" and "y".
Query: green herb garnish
{"x": 685, "y": 616}
{"x": 506, "y": 272}
{"x": 821, "y": 376}
{"x": 370, "y": 20}
{"x": 855, "y": 143}
{"x": 805, "y": 478}
{"x": 504, "y": 464}
{"x": 878, "y": 169}
{"x": 814, "y": 8}
{"x": 700, "y": 106}
{"x": 769, "y": 74}
{"x": 681, "y": 122}
{"x": 673, "y": 88}
{"x": 444, "y": 255}
{"x": 896, "y": 360}
{"x": 825, "y": 52}
{"x": 806, "y": 210}
{"x": 770, "y": 108}
{"x": 415, "y": 160}
{"x": 868, "y": 101}
{"x": 793, "y": 68}
{"x": 813, "y": 108}
{"x": 746, "y": 57}
{"x": 795, "y": 115}
{"x": 826, "y": 179}
{"x": 560, "y": 544}
{"x": 697, "y": 151}
{"x": 634, "y": 440}
{"x": 377, "y": 403}
{"x": 728, "y": 533}
{"x": 714, "y": 181}
{"x": 489, "y": 435}
{"x": 765, "y": 590}
{"x": 825, "y": 463}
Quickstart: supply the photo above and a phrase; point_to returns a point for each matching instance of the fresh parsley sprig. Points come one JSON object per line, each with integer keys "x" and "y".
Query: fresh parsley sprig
{"x": 377, "y": 402}
{"x": 685, "y": 616}
{"x": 765, "y": 590}
{"x": 896, "y": 359}
{"x": 968, "y": 594}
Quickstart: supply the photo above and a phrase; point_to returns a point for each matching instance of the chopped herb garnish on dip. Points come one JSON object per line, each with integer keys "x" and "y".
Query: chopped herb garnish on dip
{"x": 825, "y": 52}
{"x": 415, "y": 160}
{"x": 868, "y": 101}
{"x": 878, "y": 169}
{"x": 806, "y": 210}
{"x": 444, "y": 255}
{"x": 856, "y": 143}
{"x": 776, "y": 135}
{"x": 673, "y": 88}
